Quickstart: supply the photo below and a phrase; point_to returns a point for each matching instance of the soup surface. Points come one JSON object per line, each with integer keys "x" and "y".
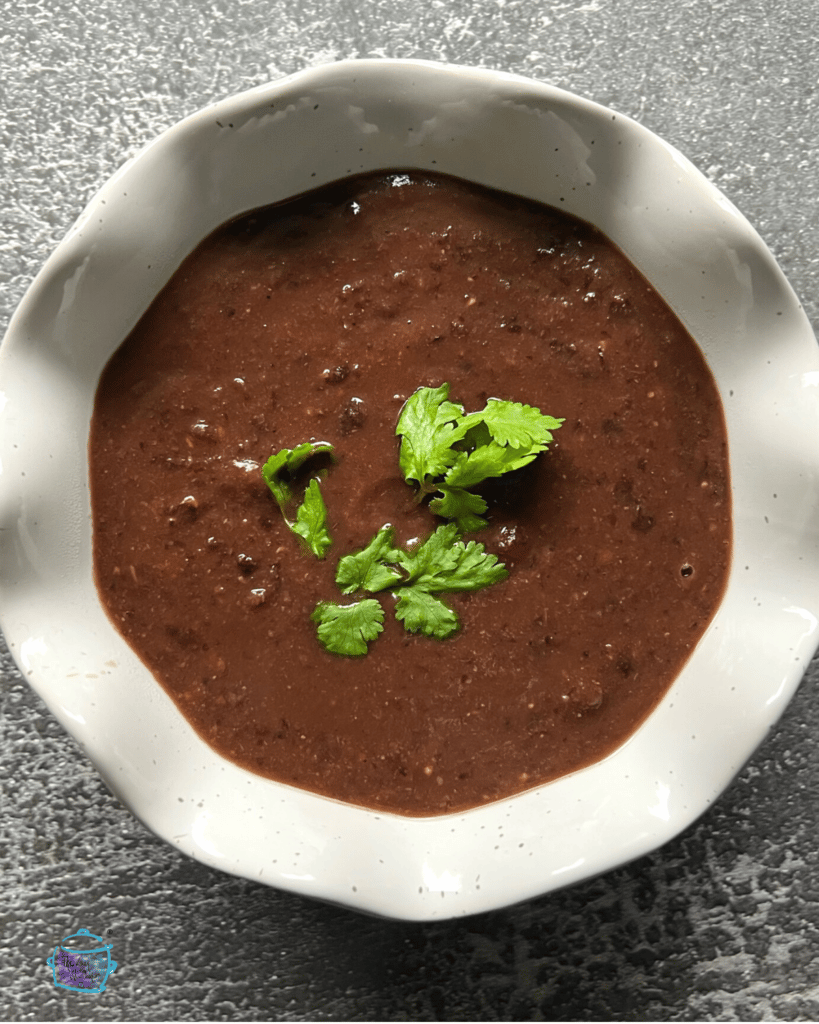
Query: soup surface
{"x": 316, "y": 320}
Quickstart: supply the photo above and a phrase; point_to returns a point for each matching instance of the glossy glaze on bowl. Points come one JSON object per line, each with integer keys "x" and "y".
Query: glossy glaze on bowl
{"x": 509, "y": 133}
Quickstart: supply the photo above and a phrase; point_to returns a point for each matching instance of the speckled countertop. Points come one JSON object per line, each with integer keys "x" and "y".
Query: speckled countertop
{"x": 723, "y": 923}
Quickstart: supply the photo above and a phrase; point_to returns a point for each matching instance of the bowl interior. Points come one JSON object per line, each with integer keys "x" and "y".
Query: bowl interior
{"x": 284, "y": 139}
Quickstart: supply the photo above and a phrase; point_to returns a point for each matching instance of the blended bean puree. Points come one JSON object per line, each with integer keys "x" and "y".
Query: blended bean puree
{"x": 317, "y": 319}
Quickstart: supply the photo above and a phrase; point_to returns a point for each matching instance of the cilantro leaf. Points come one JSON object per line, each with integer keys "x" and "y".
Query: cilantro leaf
{"x": 281, "y": 467}
{"x": 461, "y": 506}
{"x": 472, "y": 468}
{"x": 422, "y": 612}
{"x": 311, "y": 521}
{"x": 428, "y": 431}
{"x": 271, "y": 471}
{"x": 476, "y": 568}
{"x": 436, "y": 554}
{"x": 348, "y": 628}
{"x": 444, "y": 564}
{"x": 368, "y": 569}
{"x": 515, "y": 424}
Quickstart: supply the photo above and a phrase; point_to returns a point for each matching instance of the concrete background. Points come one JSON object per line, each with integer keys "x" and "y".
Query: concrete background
{"x": 723, "y": 923}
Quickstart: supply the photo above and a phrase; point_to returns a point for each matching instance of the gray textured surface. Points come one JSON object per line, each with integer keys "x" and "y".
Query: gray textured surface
{"x": 722, "y": 924}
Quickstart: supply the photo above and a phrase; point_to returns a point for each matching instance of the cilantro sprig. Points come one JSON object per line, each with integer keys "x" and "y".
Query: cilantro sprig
{"x": 415, "y": 576}
{"x": 447, "y": 452}
{"x": 309, "y": 520}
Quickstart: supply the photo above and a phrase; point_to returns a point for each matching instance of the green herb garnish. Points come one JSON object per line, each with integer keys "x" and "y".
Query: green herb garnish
{"x": 442, "y": 564}
{"x": 448, "y": 452}
{"x": 445, "y": 452}
{"x": 371, "y": 568}
{"x": 309, "y": 520}
{"x": 348, "y": 628}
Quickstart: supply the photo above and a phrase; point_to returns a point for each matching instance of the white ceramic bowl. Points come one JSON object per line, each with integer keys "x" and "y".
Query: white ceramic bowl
{"x": 282, "y": 139}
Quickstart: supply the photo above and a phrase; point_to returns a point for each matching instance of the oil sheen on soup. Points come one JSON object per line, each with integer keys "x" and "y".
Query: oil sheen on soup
{"x": 316, "y": 319}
